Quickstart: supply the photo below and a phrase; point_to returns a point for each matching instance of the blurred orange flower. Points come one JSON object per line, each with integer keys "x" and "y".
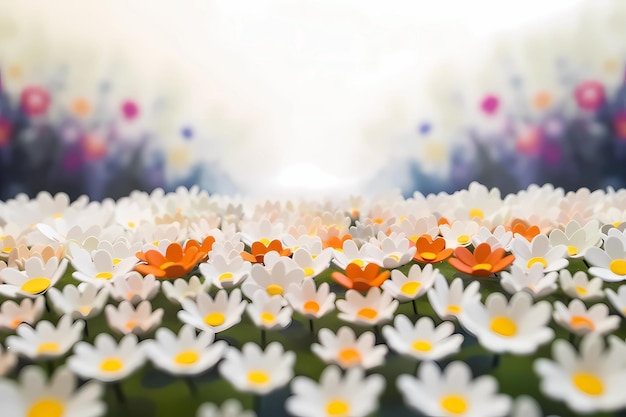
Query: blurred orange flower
{"x": 259, "y": 249}
{"x": 177, "y": 261}
{"x": 361, "y": 279}
{"x": 431, "y": 251}
{"x": 483, "y": 262}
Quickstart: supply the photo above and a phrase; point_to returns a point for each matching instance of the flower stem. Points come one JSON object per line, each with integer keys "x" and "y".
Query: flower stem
{"x": 414, "y": 303}
{"x": 496, "y": 361}
{"x": 263, "y": 338}
{"x": 311, "y": 329}
{"x": 191, "y": 385}
{"x": 119, "y": 393}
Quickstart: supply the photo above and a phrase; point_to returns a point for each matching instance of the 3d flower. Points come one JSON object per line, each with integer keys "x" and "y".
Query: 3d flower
{"x": 577, "y": 238}
{"x": 516, "y": 326}
{"x": 128, "y": 319}
{"x": 312, "y": 262}
{"x": 374, "y": 308}
{"x": 394, "y": 252}
{"x": 312, "y": 303}
{"x": 257, "y": 371}
{"x": 177, "y": 260}
{"x": 213, "y": 314}
{"x": 185, "y": 353}
{"x": 618, "y": 300}
{"x": 106, "y": 360}
{"x": 101, "y": 269}
{"x": 274, "y": 281}
{"x": 361, "y": 279}
{"x": 229, "y": 408}
{"x": 36, "y": 278}
{"x": 499, "y": 238}
{"x": 431, "y": 250}
{"x": 450, "y": 301}
{"x": 423, "y": 340}
{"x": 539, "y": 250}
{"x": 223, "y": 272}
{"x": 37, "y": 396}
{"x": 608, "y": 263}
{"x": 181, "y": 289}
{"x": 589, "y": 381}
{"x": 346, "y": 350}
{"x": 532, "y": 280}
{"x": 452, "y": 392}
{"x": 27, "y": 311}
{"x": 580, "y": 286}
{"x": 576, "y": 318}
{"x": 81, "y": 302}
{"x": 412, "y": 286}
{"x": 351, "y": 394}
{"x": 46, "y": 341}
{"x": 267, "y": 311}
{"x": 350, "y": 253}
{"x": 528, "y": 232}
{"x": 135, "y": 288}
{"x": 483, "y": 262}
{"x": 258, "y": 250}
{"x": 459, "y": 233}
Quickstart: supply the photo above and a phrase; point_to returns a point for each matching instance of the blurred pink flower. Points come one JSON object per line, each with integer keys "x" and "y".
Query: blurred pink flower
{"x": 589, "y": 95}
{"x": 35, "y": 100}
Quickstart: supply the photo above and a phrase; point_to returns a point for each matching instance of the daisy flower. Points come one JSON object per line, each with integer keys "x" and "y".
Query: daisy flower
{"x": 101, "y": 269}
{"x": 532, "y": 280}
{"x": 27, "y": 311}
{"x": 185, "y": 353}
{"x": 412, "y": 286}
{"x": 258, "y": 251}
{"x": 312, "y": 263}
{"x": 431, "y": 250}
{"x": 450, "y": 301}
{"x": 36, "y": 278}
{"x": 588, "y": 381}
{"x": 19, "y": 254}
{"x": 423, "y": 340}
{"x": 539, "y": 250}
{"x": 394, "y": 251}
{"x": 135, "y": 288}
{"x": 213, "y": 314}
{"x": 361, "y": 278}
{"x": 459, "y": 233}
{"x": 36, "y": 396}
{"x": 374, "y": 308}
{"x": 608, "y": 263}
{"x": 351, "y": 253}
{"x": 525, "y": 406}
{"x": 176, "y": 261}
{"x": 263, "y": 231}
{"x": 223, "y": 272}
{"x": 229, "y": 408}
{"x": 81, "y": 302}
{"x": 274, "y": 282}
{"x": 580, "y": 286}
{"x": 349, "y": 394}
{"x": 106, "y": 360}
{"x": 478, "y": 203}
{"x": 267, "y": 311}
{"x": 618, "y": 300}
{"x": 312, "y": 303}
{"x": 577, "y": 238}
{"x": 8, "y": 360}
{"x": 516, "y": 326}
{"x": 483, "y": 262}
{"x": 257, "y": 371}
{"x": 452, "y": 392}
{"x": 181, "y": 289}
{"x": 46, "y": 341}
{"x": 125, "y": 318}
{"x": 346, "y": 350}
{"x": 577, "y": 319}
{"x": 499, "y": 238}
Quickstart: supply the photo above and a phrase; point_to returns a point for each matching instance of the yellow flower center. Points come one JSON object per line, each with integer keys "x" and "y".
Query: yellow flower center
{"x": 267, "y": 318}
{"x": 225, "y": 276}
{"x": 258, "y": 377}
{"x": 7, "y": 249}
{"x": 308, "y": 272}
{"x": 104, "y": 275}
{"x": 214, "y": 319}
{"x": 588, "y": 383}
{"x": 337, "y": 408}
{"x": 582, "y": 321}
{"x": 367, "y": 313}
{"x": 131, "y": 224}
{"x": 274, "y": 289}
{"x": 111, "y": 365}
{"x": 618, "y": 266}
{"x": 572, "y": 250}
{"x": 535, "y": 260}
{"x": 46, "y": 407}
{"x": 349, "y": 356}
{"x": 476, "y": 212}
{"x": 503, "y": 326}
{"x": 410, "y": 288}
{"x": 186, "y": 357}
{"x": 311, "y": 307}
{"x": 482, "y": 267}
{"x": 429, "y": 256}
{"x": 48, "y": 347}
{"x": 463, "y": 239}
{"x": 116, "y": 261}
{"x": 36, "y": 285}
{"x": 264, "y": 241}
{"x": 130, "y": 324}
{"x": 422, "y": 346}
{"x": 84, "y": 310}
{"x": 166, "y": 265}
{"x": 454, "y": 309}
{"x": 581, "y": 290}
{"x": 358, "y": 262}
{"x": 454, "y": 404}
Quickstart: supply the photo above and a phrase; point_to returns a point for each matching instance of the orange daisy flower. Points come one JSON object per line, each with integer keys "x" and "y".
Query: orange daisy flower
{"x": 177, "y": 261}
{"x": 483, "y": 262}
{"x": 361, "y": 279}
{"x": 336, "y": 242}
{"x": 523, "y": 229}
{"x": 259, "y": 249}
{"x": 430, "y": 251}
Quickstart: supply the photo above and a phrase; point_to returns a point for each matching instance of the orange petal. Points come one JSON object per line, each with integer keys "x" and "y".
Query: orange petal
{"x": 176, "y": 271}
{"x": 371, "y": 271}
{"x": 174, "y": 252}
{"x": 154, "y": 257}
{"x": 503, "y": 263}
{"x": 145, "y": 269}
{"x": 465, "y": 256}
{"x": 342, "y": 280}
{"x": 463, "y": 267}
{"x": 482, "y": 252}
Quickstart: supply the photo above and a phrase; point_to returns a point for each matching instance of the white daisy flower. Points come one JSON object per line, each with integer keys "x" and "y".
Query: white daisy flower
{"x": 351, "y": 253}
{"x": 84, "y": 301}
{"x": 229, "y": 408}
{"x": 263, "y": 231}
{"x": 580, "y": 286}
{"x": 516, "y": 326}
{"x": 46, "y": 341}
{"x": 185, "y": 354}
{"x": 414, "y": 227}
{"x": 36, "y": 396}
{"x": 577, "y": 238}
{"x": 346, "y": 350}
{"x": 452, "y": 392}
{"x": 540, "y": 251}
{"x": 36, "y": 278}
{"x": 312, "y": 303}
{"x": 100, "y": 269}
{"x": 376, "y": 307}
{"x": 120, "y": 250}
{"x": 312, "y": 263}
{"x": 478, "y": 203}
{"x": 106, "y": 360}
{"x": 608, "y": 263}
{"x": 618, "y": 300}
{"x": 577, "y": 319}
{"x": 27, "y": 311}
{"x": 125, "y": 318}
{"x": 267, "y": 311}
{"x": 274, "y": 282}
{"x": 135, "y": 288}
{"x": 450, "y": 301}
{"x": 225, "y": 273}
{"x": 350, "y": 394}
{"x": 499, "y": 238}
{"x": 423, "y": 340}
{"x": 525, "y": 406}
{"x": 8, "y": 360}
{"x": 459, "y": 233}
{"x": 213, "y": 314}
{"x": 394, "y": 250}
{"x": 181, "y": 289}
{"x": 412, "y": 286}
{"x": 533, "y": 280}
{"x": 257, "y": 371}
{"x": 590, "y": 381}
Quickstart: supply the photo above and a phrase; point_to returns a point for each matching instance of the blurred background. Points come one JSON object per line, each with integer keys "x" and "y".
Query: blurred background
{"x": 279, "y": 97}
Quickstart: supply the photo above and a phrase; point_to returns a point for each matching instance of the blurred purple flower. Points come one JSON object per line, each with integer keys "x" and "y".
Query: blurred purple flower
{"x": 490, "y": 104}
